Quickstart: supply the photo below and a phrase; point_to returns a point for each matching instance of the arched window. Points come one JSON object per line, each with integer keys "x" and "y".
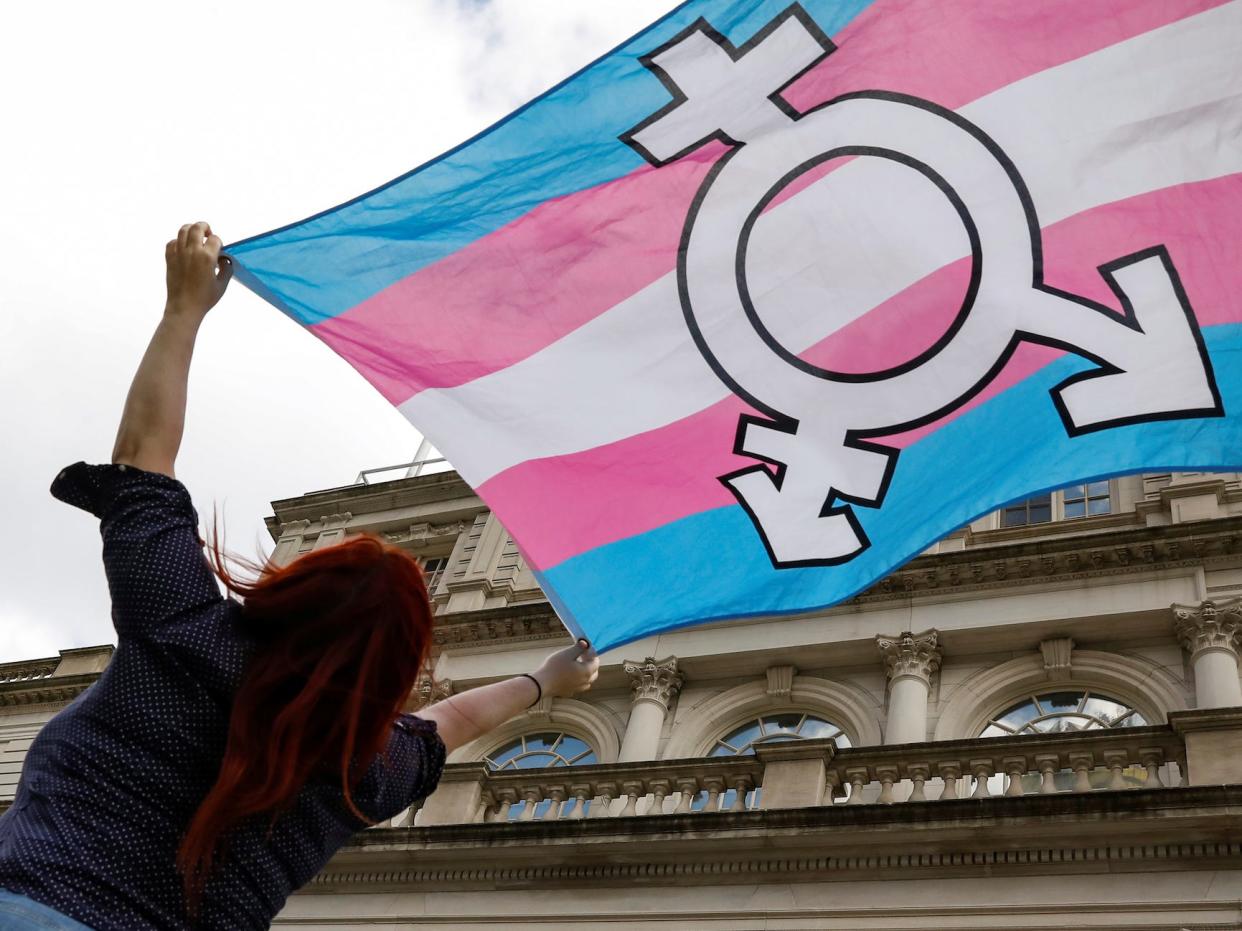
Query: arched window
{"x": 777, "y": 728}
{"x": 550, "y": 748}
{"x": 531, "y": 751}
{"x": 768, "y": 729}
{"x": 1061, "y": 712}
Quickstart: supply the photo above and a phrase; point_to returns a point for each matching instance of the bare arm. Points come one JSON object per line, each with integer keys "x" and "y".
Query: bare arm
{"x": 154, "y": 417}
{"x": 473, "y": 713}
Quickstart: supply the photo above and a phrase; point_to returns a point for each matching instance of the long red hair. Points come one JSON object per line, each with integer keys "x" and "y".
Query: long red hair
{"x": 341, "y": 635}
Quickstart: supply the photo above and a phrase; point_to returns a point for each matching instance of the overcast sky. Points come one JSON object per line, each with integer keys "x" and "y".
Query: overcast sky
{"x": 123, "y": 121}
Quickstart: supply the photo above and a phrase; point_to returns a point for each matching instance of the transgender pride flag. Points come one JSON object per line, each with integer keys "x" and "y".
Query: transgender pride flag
{"x": 760, "y": 304}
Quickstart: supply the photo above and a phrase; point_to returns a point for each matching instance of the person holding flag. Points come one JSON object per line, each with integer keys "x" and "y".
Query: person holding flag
{"x": 232, "y": 746}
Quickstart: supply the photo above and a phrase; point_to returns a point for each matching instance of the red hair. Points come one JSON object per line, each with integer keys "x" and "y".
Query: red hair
{"x": 341, "y": 635}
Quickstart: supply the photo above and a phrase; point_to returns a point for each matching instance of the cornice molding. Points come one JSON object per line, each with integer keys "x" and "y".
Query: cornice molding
{"x": 49, "y": 691}
{"x": 781, "y": 869}
{"x": 511, "y": 624}
{"x": 1060, "y": 833}
{"x": 423, "y": 533}
{"x": 1130, "y": 551}
{"x": 365, "y": 500}
{"x": 1083, "y": 556}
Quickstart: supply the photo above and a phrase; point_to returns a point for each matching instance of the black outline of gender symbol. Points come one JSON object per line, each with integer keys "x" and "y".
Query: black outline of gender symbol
{"x": 858, "y": 438}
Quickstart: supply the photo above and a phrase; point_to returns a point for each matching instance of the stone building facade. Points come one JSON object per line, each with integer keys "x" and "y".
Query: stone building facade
{"x": 1037, "y": 724}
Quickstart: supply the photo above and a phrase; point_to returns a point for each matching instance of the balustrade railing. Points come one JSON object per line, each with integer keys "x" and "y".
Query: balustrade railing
{"x": 620, "y": 790}
{"x": 815, "y": 772}
{"x": 1040, "y": 764}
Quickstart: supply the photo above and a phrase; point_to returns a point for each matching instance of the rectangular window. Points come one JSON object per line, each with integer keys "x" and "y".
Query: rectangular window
{"x": 433, "y": 569}
{"x": 1036, "y": 510}
{"x": 1087, "y": 500}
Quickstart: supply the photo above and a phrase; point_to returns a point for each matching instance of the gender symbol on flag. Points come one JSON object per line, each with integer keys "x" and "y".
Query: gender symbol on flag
{"x": 817, "y": 435}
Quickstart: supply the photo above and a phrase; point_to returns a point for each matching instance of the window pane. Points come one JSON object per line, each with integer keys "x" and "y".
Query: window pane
{"x": 1096, "y": 489}
{"x": 1061, "y": 701}
{"x": 1075, "y": 508}
{"x": 571, "y": 746}
{"x": 544, "y": 749}
{"x": 1100, "y": 506}
{"x": 541, "y": 741}
{"x": 814, "y": 729}
{"x": 1041, "y": 513}
{"x": 503, "y": 756}
{"x": 531, "y": 760}
{"x": 781, "y": 722}
{"x": 743, "y": 736}
{"x": 1019, "y": 715}
{"x": 1015, "y": 517}
{"x": 1074, "y": 493}
{"x": 1058, "y": 725}
{"x": 1057, "y": 712}
{"x": 777, "y": 728}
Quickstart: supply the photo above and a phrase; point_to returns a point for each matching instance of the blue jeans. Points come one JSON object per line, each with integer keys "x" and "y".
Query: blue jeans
{"x": 18, "y": 913}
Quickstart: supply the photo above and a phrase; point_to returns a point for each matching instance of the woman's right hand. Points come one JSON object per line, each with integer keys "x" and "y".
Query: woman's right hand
{"x": 197, "y": 273}
{"x": 569, "y": 671}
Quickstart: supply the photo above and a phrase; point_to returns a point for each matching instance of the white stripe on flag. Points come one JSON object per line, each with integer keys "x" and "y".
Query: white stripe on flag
{"x": 1161, "y": 109}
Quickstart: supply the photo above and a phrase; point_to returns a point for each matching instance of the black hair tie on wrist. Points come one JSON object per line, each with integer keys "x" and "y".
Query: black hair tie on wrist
{"x": 538, "y": 688}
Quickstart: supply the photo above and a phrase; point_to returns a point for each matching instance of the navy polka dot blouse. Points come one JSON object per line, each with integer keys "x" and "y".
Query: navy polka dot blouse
{"x": 111, "y": 782}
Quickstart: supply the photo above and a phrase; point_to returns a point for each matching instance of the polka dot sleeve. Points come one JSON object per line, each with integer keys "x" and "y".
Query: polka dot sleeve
{"x": 409, "y": 769}
{"x": 151, "y": 550}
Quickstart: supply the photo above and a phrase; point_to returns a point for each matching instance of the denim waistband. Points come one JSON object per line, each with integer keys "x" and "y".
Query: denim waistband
{"x": 18, "y": 913}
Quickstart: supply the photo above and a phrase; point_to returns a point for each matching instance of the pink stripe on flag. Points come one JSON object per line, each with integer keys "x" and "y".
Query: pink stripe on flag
{"x": 521, "y": 288}
{"x": 645, "y": 481}
{"x": 513, "y": 292}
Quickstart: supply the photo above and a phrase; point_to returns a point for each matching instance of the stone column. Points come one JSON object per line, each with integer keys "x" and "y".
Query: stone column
{"x": 656, "y": 684}
{"x": 911, "y": 659}
{"x": 1211, "y": 634}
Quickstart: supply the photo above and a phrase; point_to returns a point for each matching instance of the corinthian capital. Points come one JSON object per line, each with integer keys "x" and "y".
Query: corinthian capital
{"x": 1210, "y": 626}
{"x": 910, "y": 654}
{"x": 655, "y": 680}
{"x": 428, "y": 691}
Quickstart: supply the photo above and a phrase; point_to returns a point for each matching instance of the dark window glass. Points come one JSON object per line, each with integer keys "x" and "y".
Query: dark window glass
{"x": 1036, "y": 510}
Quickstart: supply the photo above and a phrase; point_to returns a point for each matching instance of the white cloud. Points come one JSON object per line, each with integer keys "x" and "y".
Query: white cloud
{"x": 122, "y": 121}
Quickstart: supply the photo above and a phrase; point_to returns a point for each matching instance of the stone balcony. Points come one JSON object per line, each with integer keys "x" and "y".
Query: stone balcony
{"x": 1134, "y": 799}
{"x": 816, "y": 772}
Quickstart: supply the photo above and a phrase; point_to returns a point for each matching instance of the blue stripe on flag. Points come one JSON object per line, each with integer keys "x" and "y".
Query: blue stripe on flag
{"x": 712, "y": 565}
{"x": 562, "y": 142}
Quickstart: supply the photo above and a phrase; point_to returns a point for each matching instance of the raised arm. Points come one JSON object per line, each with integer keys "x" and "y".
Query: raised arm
{"x": 154, "y": 417}
{"x": 473, "y": 713}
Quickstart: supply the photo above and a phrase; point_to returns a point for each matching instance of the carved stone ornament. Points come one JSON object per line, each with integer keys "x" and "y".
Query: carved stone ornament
{"x": 1212, "y": 625}
{"x": 1058, "y": 656}
{"x": 780, "y": 682}
{"x": 540, "y": 710}
{"x": 655, "y": 680}
{"x": 294, "y": 528}
{"x": 422, "y": 533}
{"x": 428, "y": 691}
{"x": 910, "y": 654}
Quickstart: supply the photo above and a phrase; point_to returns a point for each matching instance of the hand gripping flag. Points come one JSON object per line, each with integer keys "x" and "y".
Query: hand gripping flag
{"x": 762, "y": 303}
